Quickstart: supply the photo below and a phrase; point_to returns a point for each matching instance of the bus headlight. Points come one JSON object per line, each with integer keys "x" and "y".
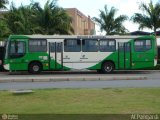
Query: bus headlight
{"x": 6, "y": 66}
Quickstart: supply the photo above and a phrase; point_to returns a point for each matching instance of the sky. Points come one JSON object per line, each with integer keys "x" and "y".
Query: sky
{"x": 92, "y": 7}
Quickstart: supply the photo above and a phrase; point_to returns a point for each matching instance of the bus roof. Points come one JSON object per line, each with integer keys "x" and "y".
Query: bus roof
{"x": 75, "y": 36}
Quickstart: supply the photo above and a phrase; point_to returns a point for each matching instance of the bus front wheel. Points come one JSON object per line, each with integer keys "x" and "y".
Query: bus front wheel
{"x": 35, "y": 68}
{"x": 107, "y": 67}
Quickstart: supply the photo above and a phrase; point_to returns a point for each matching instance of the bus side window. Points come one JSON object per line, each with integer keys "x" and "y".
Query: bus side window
{"x": 148, "y": 44}
{"x": 107, "y": 45}
{"x": 142, "y": 45}
{"x": 90, "y": 45}
{"x": 72, "y": 45}
{"x": 37, "y": 45}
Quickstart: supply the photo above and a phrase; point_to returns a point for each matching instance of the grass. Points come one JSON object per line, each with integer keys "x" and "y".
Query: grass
{"x": 82, "y": 101}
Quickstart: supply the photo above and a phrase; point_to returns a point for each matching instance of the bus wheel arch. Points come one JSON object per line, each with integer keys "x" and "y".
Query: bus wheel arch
{"x": 35, "y": 67}
{"x": 107, "y": 66}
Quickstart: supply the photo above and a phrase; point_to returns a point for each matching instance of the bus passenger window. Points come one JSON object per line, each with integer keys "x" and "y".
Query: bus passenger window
{"x": 90, "y": 45}
{"x": 148, "y": 44}
{"x": 142, "y": 45}
{"x": 107, "y": 45}
{"x": 36, "y": 45}
{"x": 72, "y": 45}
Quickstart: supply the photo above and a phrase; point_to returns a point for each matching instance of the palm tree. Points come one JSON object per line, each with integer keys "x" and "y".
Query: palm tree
{"x": 150, "y": 17}
{"x": 4, "y": 30}
{"x": 2, "y": 3}
{"x": 19, "y": 19}
{"x": 109, "y": 23}
{"x": 51, "y": 19}
{"x": 32, "y": 19}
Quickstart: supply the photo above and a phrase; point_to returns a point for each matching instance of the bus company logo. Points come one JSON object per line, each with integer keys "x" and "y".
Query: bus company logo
{"x": 4, "y": 116}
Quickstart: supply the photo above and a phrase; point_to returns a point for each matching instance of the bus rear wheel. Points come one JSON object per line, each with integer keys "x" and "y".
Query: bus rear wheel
{"x": 35, "y": 68}
{"x": 107, "y": 67}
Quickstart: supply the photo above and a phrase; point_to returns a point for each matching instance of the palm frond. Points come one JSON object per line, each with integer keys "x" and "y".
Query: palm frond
{"x": 109, "y": 23}
{"x": 150, "y": 17}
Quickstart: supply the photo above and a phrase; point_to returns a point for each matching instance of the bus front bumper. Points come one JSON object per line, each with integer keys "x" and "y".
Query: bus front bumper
{"x": 6, "y": 66}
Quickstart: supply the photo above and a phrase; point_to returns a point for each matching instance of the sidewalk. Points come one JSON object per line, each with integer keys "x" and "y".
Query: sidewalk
{"x": 56, "y": 78}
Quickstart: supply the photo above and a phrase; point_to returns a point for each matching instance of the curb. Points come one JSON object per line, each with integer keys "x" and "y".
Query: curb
{"x": 58, "y": 79}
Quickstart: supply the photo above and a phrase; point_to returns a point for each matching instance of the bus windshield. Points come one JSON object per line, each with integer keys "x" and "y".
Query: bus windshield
{"x": 16, "y": 49}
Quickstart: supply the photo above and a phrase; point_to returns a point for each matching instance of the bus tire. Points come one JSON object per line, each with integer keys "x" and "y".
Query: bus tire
{"x": 35, "y": 68}
{"x": 107, "y": 67}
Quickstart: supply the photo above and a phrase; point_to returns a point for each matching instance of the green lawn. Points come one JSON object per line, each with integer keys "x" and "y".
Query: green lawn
{"x": 82, "y": 101}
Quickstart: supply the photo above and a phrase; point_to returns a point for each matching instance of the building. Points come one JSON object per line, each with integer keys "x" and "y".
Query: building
{"x": 81, "y": 24}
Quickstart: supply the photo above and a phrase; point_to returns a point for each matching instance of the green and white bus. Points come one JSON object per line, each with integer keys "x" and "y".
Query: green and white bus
{"x": 36, "y": 53}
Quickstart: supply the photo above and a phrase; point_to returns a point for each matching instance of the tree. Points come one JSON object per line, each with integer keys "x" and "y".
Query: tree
{"x": 4, "y": 30}
{"x": 109, "y": 23}
{"x": 19, "y": 20}
{"x": 51, "y": 19}
{"x": 150, "y": 17}
{"x": 33, "y": 19}
{"x": 2, "y": 3}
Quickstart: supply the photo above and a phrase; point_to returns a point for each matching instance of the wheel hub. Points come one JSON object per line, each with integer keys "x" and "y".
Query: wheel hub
{"x": 35, "y": 68}
{"x": 108, "y": 68}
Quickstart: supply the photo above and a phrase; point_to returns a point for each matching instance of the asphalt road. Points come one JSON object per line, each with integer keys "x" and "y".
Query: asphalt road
{"x": 81, "y": 84}
{"x": 153, "y": 80}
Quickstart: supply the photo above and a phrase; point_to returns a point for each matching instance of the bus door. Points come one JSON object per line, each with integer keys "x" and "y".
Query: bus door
{"x": 124, "y": 55}
{"x": 56, "y": 55}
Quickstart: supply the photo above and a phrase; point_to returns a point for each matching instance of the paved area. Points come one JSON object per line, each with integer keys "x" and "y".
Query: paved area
{"x": 80, "y": 84}
{"x": 79, "y": 80}
{"x": 73, "y": 76}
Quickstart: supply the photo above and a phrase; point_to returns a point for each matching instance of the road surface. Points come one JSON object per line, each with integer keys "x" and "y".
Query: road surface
{"x": 80, "y": 84}
{"x": 152, "y": 80}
